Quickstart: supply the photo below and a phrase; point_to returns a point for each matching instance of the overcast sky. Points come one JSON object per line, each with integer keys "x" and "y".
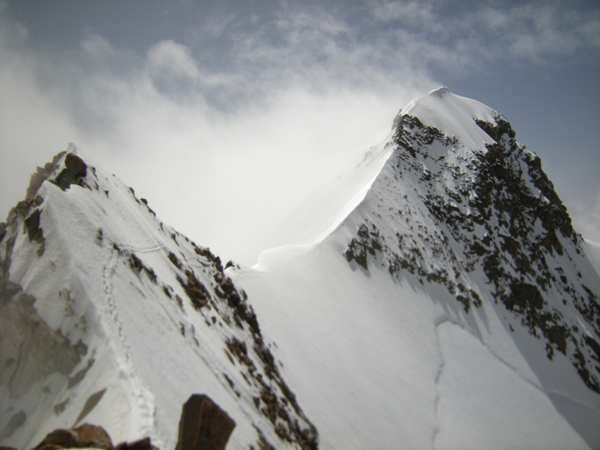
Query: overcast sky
{"x": 226, "y": 114}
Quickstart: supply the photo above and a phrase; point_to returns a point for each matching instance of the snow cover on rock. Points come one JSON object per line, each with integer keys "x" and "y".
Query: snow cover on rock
{"x": 442, "y": 301}
{"x": 453, "y": 115}
{"x": 111, "y": 317}
{"x": 453, "y": 308}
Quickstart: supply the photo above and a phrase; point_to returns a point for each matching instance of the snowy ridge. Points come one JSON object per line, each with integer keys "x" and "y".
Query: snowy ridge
{"x": 125, "y": 318}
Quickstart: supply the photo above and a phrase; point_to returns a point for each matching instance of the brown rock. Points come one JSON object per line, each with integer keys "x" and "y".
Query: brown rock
{"x": 59, "y": 438}
{"x": 50, "y": 447}
{"x": 203, "y": 425}
{"x": 73, "y": 173}
{"x": 76, "y": 165}
{"x": 93, "y": 436}
{"x": 7, "y": 448}
{"x": 140, "y": 444}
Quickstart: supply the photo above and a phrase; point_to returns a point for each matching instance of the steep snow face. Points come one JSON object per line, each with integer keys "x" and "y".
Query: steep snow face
{"x": 454, "y": 298}
{"x": 109, "y": 316}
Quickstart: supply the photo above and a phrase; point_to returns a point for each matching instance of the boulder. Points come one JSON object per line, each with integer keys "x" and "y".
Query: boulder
{"x": 140, "y": 444}
{"x": 59, "y": 438}
{"x": 75, "y": 170}
{"x": 203, "y": 425}
{"x": 93, "y": 436}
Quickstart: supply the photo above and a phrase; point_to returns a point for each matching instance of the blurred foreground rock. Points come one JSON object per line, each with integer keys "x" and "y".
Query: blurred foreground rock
{"x": 203, "y": 425}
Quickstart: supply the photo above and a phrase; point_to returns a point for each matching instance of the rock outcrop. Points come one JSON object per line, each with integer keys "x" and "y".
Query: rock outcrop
{"x": 203, "y": 425}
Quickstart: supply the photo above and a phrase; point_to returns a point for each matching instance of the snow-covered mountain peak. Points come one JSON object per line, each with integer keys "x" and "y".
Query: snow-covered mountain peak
{"x": 455, "y": 284}
{"x": 453, "y": 115}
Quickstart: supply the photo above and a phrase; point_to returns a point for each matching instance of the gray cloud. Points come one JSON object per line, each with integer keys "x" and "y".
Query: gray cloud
{"x": 531, "y": 31}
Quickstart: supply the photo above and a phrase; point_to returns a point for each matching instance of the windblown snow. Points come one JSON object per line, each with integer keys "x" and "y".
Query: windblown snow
{"x": 440, "y": 299}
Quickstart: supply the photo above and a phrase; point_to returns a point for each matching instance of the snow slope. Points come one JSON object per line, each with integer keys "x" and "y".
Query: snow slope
{"x": 109, "y": 316}
{"x": 453, "y": 308}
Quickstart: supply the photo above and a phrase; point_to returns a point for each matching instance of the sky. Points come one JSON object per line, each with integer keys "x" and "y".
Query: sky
{"x": 226, "y": 114}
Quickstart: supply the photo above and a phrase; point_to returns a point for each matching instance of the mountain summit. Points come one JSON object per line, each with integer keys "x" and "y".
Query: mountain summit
{"x": 448, "y": 303}
{"x": 456, "y": 294}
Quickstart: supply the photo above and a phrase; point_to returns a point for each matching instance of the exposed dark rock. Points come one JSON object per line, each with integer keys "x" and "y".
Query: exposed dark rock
{"x": 367, "y": 242}
{"x": 174, "y": 260}
{"x": 140, "y": 444}
{"x": 194, "y": 289}
{"x": 32, "y": 226}
{"x": 203, "y": 425}
{"x": 274, "y": 406}
{"x": 99, "y": 236}
{"x": 206, "y": 253}
{"x": 138, "y": 266}
{"x": 74, "y": 172}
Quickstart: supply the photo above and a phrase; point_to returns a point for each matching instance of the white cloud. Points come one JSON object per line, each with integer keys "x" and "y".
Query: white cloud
{"x": 97, "y": 47}
{"x": 224, "y": 176}
{"x": 171, "y": 58}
